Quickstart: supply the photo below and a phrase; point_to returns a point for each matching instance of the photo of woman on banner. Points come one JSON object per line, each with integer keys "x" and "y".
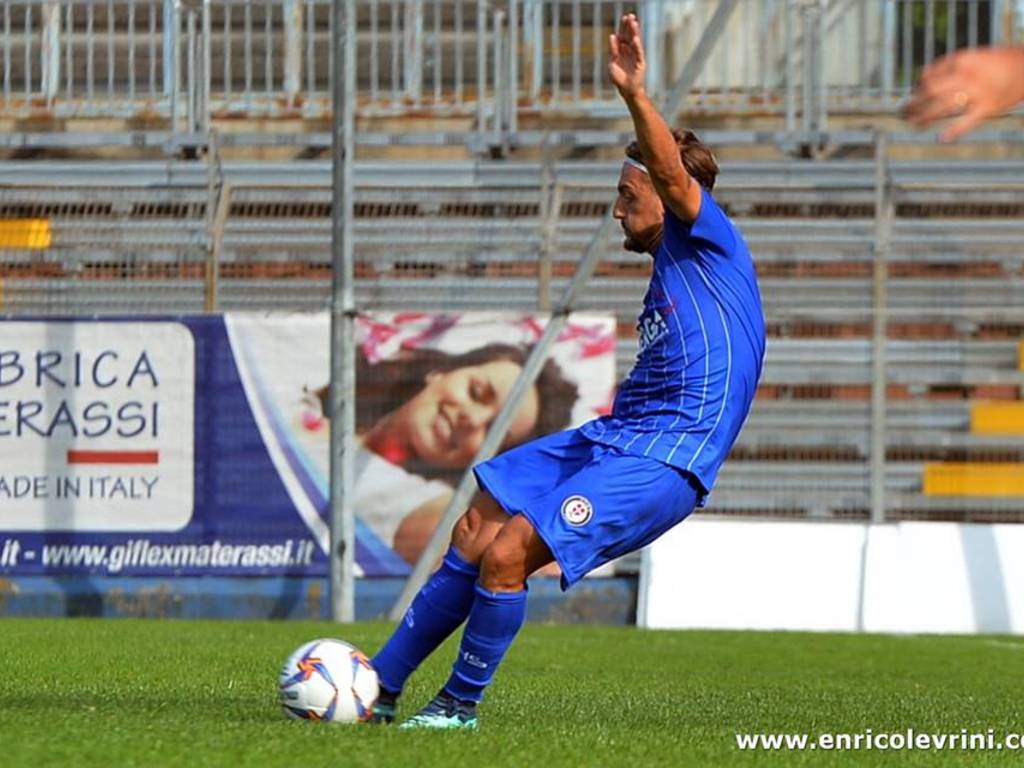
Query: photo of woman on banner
{"x": 428, "y": 387}
{"x": 428, "y": 412}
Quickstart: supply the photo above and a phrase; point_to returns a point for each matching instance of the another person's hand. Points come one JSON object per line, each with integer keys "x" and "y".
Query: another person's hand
{"x": 626, "y": 62}
{"x": 971, "y": 86}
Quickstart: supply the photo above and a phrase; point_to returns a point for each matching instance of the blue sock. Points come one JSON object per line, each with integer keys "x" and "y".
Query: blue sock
{"x": 493, "y": 623}
{"x": 436, "y": 611}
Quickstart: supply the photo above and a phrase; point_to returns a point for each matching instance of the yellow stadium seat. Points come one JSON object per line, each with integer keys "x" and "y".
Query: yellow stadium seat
{"x": 25, "y": 233}
{"x": 974, "y": 479}
{"x": 997, "y": 419}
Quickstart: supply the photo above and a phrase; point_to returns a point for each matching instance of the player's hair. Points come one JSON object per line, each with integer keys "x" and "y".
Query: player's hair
{"x": 698, "y": 160}
{"x": 382, "y": 387}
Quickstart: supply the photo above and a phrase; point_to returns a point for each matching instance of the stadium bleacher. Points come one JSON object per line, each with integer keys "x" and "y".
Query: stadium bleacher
{"x": 954, "y": 297}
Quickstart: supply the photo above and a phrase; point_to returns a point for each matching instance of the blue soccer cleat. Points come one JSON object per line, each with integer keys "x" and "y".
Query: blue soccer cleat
{"x": 445, "y": 712}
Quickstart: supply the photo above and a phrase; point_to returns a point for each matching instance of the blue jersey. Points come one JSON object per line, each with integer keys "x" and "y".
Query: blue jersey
{"x": 702, "y": 341}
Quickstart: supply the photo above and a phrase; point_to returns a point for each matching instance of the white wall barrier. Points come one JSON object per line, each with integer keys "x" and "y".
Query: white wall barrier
{"x": 900, "y": 577}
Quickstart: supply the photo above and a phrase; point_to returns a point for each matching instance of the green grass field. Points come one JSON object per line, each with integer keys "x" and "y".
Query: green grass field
{"x": 148, "y": 693}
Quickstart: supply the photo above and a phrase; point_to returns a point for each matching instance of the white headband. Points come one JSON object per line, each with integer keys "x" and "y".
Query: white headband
{"x": 635, "y": 164}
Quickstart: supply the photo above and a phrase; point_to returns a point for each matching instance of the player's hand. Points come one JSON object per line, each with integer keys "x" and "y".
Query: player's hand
{"x": 971, "y": 86}
{"x": 626, "y": 62}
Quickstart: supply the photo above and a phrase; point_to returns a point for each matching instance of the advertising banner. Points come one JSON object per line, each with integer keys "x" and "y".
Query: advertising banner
{"x": 199, "y": 445}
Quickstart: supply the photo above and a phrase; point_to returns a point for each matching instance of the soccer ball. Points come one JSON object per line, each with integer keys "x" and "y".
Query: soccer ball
{"x": 328, "y": 680}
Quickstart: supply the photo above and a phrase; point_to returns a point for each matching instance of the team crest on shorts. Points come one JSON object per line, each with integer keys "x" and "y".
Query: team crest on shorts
{"x": 577, "y": 510}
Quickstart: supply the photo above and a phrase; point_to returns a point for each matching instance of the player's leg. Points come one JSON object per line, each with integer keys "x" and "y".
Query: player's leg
{"x": 615, "y": 504}
{"x": 497, "y": 614}
{"x": 441, "y": 605}
{"x": 507, "y": 483}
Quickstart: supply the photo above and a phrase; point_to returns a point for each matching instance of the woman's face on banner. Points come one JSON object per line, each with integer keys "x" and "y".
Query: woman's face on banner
{"x": 448, "y": 419}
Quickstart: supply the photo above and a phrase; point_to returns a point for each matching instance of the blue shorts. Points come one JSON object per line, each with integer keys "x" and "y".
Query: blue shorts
{"x": 590, "y": 503}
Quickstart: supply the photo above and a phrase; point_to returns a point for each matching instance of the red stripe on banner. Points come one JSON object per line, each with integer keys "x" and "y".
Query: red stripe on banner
{"x": 113, "y": 457}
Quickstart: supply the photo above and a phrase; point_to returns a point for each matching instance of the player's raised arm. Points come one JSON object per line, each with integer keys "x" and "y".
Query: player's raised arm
{"x": 627, "y": 66}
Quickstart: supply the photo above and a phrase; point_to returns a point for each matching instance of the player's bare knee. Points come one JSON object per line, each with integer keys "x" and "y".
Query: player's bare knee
{"x": 503, "y": 567}
{"x": 476, "y": 529}
{"x": 464, "y": 538}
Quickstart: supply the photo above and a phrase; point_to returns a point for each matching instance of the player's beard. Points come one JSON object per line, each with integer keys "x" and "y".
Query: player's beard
{"x": 647, "y": 241}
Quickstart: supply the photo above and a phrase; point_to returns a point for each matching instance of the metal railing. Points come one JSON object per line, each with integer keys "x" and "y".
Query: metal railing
{"x": 488, "y": 61}
{"x": 88, "y": 58}
{"x": 220, "y": 58}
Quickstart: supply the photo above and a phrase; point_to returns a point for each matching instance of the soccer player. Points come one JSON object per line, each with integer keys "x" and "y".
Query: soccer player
{"x": 584, "y": 497}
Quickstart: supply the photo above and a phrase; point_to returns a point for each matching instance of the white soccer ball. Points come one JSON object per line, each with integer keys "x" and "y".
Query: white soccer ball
{"x": 328, "y": 680}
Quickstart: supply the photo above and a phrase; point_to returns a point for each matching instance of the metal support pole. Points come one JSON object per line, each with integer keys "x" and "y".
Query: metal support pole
{"x": 168, "y": 45}
{"x": 500, "y": 71}
{"x": 551, "y": 192}
{"x": 996, "y": 20}
{"x": 651, "y": 16}
{"x": 413, "y": 47}
{"x": 172, "y": 58}
{"x": 512, "y": 79}
{"x": 481, "y": 67}
{"x": 888, "y": 43}
{"x": 808, "y": 26}
{"x": 220, "y": 218}
{"x": 191, "y": 74}
{"x": 790, "y": 68}
{"x": 929, "y": 32}
{"x": 533, "y": 47}
{"x": 879, "y": 341}
{"x": 820, "y": 74}
{"x": 218, "y": 201}
{"x": 50, "y": 52}
{"x": 206, "y": 64}
{"x": 343, "y": 316}
{"x": 293, "y": 49}
{"x": 864, "y": 49}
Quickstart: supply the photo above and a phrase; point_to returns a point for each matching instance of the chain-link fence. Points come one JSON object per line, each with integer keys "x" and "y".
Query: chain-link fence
{"x": 920, "y": 261}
